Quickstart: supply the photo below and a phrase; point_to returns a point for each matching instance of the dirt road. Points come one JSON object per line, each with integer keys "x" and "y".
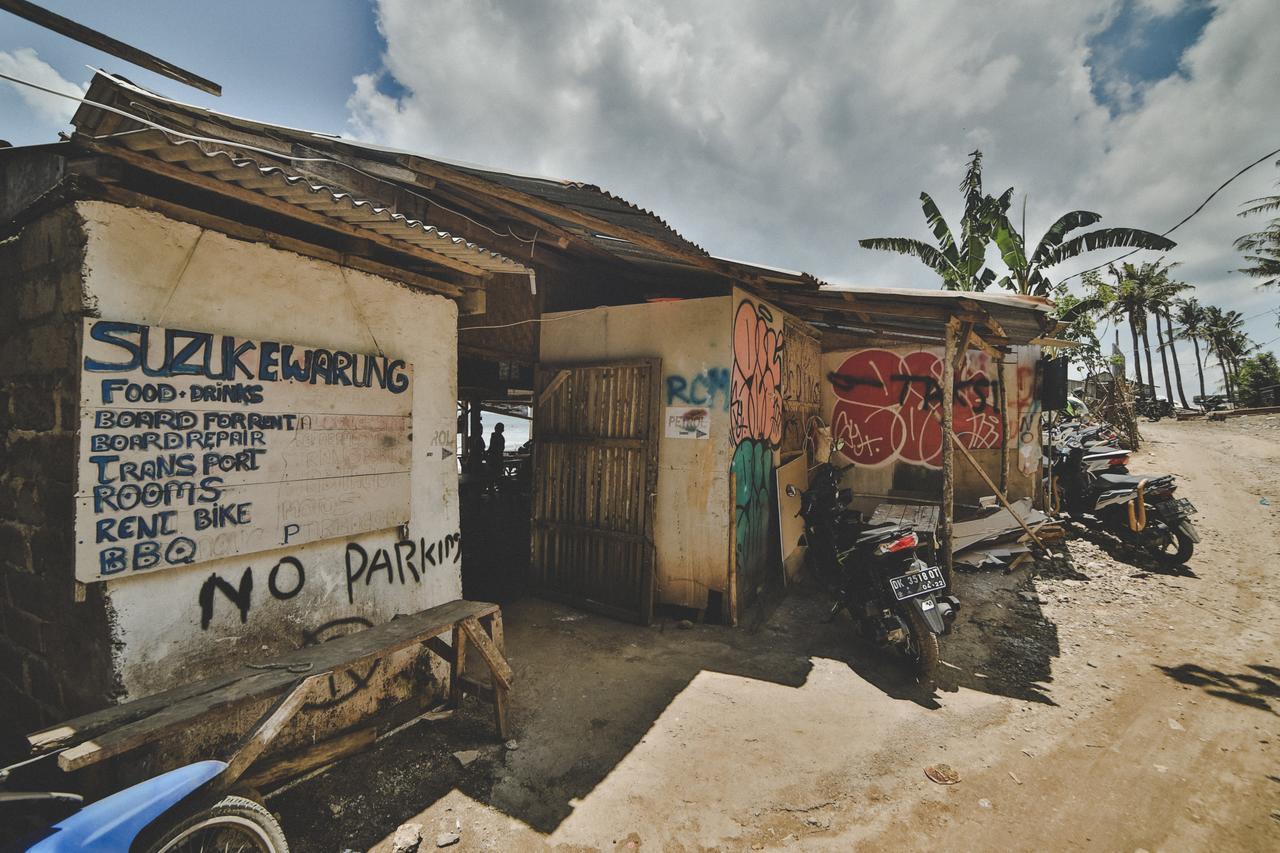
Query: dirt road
{"x": 1089, "y": 704}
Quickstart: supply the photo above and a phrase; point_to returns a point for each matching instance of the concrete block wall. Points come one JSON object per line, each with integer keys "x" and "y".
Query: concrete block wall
{"x": 53, "y": 661}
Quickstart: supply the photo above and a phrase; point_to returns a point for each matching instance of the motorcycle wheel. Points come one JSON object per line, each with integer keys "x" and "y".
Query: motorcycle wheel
{"x": 232, "y": 823}
{"x": 1174, "y": 548}
{"x": 922, "y": 645}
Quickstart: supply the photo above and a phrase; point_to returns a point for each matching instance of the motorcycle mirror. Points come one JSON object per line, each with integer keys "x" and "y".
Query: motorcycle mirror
{"x": 791, "y": 491}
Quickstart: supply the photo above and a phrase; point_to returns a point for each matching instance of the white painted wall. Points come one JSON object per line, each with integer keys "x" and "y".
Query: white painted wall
{"x": 692, "y": 337}
{"x": 145, "y": 268}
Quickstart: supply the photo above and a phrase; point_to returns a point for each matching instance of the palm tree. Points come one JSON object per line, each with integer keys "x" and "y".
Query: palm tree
{"x": 961, "y": 264}
{"x": 1265, "y": 263}
{"x": 1027, "y": 274}
{"x": 1162, "y": 295}
{"x": 1191, "y": 317}
{"x": 1226, "y": 340}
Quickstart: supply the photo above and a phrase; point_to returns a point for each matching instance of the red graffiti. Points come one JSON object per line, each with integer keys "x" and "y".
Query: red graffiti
{"x": 886, "y": 404}
{"x": 756, "y": 408}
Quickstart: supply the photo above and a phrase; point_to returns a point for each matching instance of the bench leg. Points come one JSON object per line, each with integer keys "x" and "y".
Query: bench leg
{"x": 500, "y": 711}
{"x": 493, "y": 624}
{"x": 456, "y": 666}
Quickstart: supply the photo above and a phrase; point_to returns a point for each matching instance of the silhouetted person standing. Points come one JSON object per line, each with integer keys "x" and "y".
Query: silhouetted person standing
{"x": 475, "y": 453}
{"x": 497, "y": 447}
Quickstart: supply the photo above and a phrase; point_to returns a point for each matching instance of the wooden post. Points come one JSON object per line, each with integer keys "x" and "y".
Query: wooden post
{"x": 1002, "y": 396}
{"x": 952, "y": 440}
{"x": 459, "y": 661}
{"x": 948, "y": 452}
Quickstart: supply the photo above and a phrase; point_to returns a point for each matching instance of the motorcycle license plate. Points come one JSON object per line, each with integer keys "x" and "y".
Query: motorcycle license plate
{"x": 1179, "y": 508}
{"x": 917, "y": 583}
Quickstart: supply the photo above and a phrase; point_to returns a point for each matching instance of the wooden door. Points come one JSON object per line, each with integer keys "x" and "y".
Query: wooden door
{"x": 596, "y": 429}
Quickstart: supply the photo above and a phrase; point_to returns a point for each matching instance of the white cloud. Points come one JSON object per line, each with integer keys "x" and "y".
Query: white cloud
{"x": 24, "y": 64}
{"x": 784, "y": 133}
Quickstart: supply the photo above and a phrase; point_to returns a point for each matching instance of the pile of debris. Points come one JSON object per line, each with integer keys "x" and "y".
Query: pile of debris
{"x": 994, "y": 537}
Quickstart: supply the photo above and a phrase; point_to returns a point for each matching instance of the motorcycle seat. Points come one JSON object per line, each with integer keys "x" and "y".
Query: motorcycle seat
{"x": 1131, "y": 481}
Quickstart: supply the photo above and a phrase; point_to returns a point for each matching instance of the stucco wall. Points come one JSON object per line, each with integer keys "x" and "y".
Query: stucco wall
{"x": 144, "y": 268}
{"x": 881, "y": 401}
{"x": 692, "y": 507}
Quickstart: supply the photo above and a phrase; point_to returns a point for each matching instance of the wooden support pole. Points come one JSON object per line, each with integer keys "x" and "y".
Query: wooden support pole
{"x": 948, "y": 456}
{"x": 79, "y": 32}
{"x": 273, "y": 722}
{"x": 999, "y": 494}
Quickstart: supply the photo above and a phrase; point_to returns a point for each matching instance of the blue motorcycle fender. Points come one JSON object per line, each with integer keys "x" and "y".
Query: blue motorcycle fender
{"x": 112, "y": 823}
{"x": 928, "y": 608}
{"x": 1188, "y": 528}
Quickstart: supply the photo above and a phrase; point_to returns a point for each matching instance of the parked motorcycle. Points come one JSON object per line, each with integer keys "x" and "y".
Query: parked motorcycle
{"x": 170, "y": 813}
{"x": 1139, "y": 509}
{"x": 894, "y": 598}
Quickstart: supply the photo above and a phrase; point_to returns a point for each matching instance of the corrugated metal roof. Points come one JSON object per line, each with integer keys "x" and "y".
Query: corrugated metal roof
{"x": 302, "y": 191}
{"x": 581, "y": 197}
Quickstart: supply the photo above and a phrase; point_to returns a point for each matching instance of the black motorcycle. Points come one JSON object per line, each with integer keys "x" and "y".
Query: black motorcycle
{"x": 1139, "y": 509}
{"x": 894, "y": 598}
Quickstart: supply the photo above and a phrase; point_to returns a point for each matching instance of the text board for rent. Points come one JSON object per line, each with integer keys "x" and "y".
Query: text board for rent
{"x": 196, "y": 446}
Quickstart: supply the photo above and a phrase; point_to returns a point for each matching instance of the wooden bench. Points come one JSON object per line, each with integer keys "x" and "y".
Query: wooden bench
{"x": 290, "y": 680}
{"x": 923, "y": 518}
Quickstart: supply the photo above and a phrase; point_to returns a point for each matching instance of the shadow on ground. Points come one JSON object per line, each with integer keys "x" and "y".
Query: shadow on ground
{"x": 1257, "y": 689}
{"x": 589, "y": 688}
{"x": 1123, "y": 552}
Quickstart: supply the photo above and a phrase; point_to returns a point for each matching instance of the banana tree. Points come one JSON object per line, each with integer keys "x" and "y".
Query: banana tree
{"x": 960, "y": 263}
{"x": 1028, "y": 273}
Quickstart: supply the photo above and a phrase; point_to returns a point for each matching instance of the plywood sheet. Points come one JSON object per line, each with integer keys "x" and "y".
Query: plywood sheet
{"x": 197, "y": 446}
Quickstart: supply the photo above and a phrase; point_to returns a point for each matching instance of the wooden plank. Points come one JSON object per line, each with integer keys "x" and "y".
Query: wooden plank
{"x": 553, "y": 387}
{"x": 495, "y": 631}
{"x": 999, "y": 494}
{"x": 119, "y": 729}
{"x": 93, "y": 724}
{"x": 498, "y": 666}
{"x": 949, "y": 355}
{"x": 273, "y": 722}
{"x": 440, "y": 647}
{"x": 284, "y": 208}
{"x": 105, "y": 43}
{"x": 299, "y": 761}
{"x": 457, "y": 665}
{"x": 500, "y": 715}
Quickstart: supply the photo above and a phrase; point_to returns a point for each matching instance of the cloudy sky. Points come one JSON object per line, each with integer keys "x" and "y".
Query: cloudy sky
{"x": 778, "y": 133}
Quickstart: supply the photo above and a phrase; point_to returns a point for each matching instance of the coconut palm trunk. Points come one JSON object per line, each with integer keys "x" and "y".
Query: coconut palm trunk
{"x": 1164, "y": 357}
{"x": 1226, "y": 378}
{"x": 1195, "y": 342}
{"x": 1146, "y": 346}
{"x": 1173, "y": 356}
{"x": 1137, "y": 362}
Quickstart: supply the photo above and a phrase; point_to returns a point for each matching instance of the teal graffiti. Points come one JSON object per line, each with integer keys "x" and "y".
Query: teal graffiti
{"x": 753, "y": 501}
{"x": 702, "y": 389}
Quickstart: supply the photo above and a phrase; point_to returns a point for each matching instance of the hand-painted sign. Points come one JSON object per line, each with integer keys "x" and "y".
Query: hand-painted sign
{"x": 688, "y": 422}
{"x": 196, "y": 446}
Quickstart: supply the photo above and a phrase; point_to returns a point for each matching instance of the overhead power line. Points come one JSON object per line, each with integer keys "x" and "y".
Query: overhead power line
{"x": 1184, "y": 220}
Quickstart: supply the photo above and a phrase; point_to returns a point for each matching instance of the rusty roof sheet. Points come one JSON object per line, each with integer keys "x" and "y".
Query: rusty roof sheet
{"x": 247, "y": 173}
{"x": 580, "y": 196}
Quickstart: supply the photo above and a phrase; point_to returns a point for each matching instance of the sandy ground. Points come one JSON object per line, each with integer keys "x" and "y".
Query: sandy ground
{"x": 1092, "y": 702}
